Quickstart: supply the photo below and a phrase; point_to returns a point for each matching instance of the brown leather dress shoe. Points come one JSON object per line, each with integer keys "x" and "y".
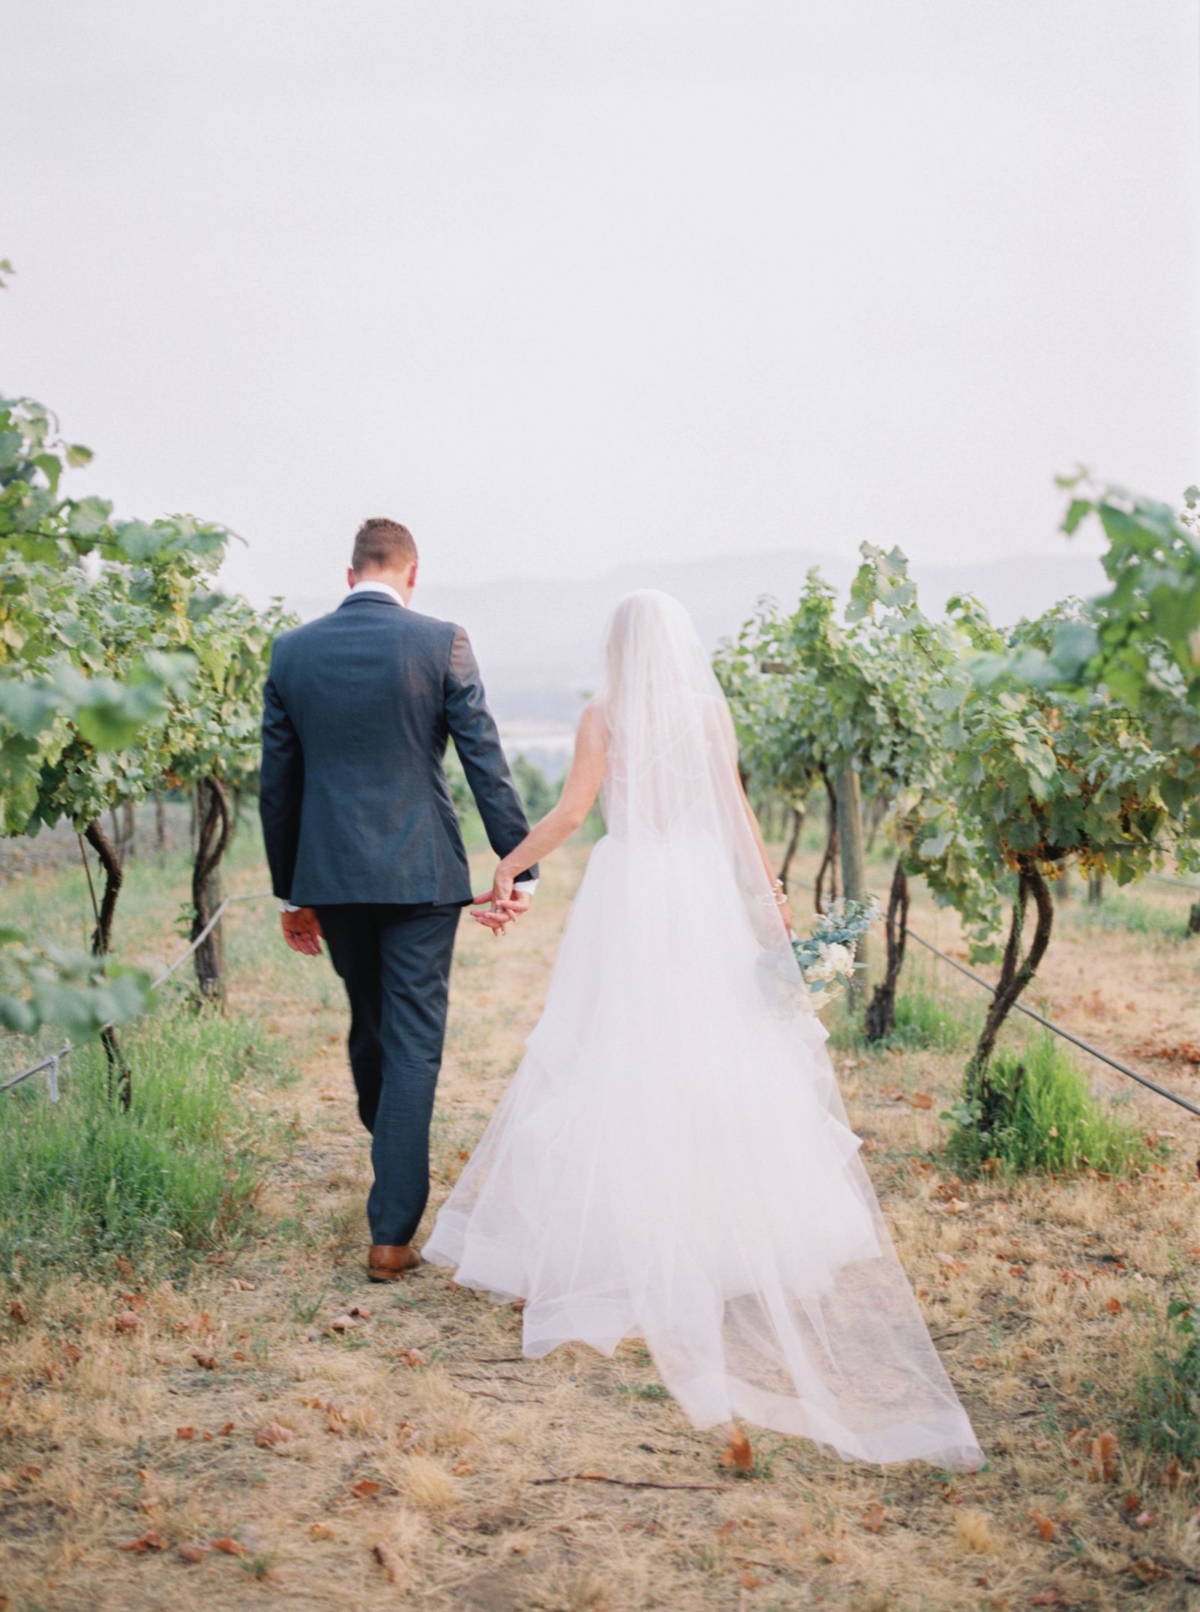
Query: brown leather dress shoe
{"x": 388, "y": 1264}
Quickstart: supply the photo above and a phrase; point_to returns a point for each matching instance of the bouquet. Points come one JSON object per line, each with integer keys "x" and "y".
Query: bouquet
{"x": 826, "y": 957}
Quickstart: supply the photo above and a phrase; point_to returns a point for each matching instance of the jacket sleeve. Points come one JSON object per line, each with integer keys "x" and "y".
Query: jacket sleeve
{"x": 478, "y": 744}
{"x": 281, "y": 788}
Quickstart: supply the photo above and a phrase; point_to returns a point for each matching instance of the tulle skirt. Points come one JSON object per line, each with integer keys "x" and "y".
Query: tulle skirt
{"x": 672, "y": 1162}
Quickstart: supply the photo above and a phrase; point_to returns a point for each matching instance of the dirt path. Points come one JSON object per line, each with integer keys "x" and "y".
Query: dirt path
{"x": 407, "y": 1454}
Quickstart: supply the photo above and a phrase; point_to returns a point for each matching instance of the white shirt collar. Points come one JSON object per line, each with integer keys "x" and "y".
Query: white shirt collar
{"x": 379, "y": 587}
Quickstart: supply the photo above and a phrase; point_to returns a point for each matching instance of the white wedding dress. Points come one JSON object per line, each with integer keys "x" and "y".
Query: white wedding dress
{"x": 672, "y": 1161}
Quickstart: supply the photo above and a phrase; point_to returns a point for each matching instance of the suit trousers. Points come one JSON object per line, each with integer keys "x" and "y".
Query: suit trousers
{"x": 395, "y": 964}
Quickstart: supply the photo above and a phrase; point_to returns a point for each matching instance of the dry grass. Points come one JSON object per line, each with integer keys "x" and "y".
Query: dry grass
{"x": 415, "y": 1458}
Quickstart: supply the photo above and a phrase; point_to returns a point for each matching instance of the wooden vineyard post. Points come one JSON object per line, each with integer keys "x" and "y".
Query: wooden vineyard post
{"x": 212, "y": 838}
{"x": 853, "y": 848}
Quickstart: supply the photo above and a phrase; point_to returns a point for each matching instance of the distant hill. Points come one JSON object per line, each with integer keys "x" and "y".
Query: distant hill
{"x": 538, "y": 639}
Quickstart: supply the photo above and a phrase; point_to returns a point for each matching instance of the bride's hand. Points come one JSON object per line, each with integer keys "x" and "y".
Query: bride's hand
{"x": 504, "y": 906}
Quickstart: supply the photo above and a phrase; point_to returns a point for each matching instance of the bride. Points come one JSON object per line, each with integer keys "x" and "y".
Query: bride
{"x": 672, "y": 1161}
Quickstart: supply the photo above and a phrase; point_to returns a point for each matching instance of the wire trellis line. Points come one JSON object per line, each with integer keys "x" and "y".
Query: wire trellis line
{"x": 1180, "y": 884}
{"x": 1048, "y": 1024}
{"x": 50, "y": 1064}
{"x": 1067, "y": 1035}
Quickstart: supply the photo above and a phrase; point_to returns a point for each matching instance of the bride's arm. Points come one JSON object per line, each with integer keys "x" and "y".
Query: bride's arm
{"x": 560, "y": 822}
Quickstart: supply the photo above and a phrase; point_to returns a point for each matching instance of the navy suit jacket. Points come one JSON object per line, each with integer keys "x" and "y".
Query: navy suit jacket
{"x": 357, "y": 711}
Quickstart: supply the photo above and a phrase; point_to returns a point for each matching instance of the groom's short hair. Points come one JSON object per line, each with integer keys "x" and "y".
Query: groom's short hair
{"x": 383, "y": 543}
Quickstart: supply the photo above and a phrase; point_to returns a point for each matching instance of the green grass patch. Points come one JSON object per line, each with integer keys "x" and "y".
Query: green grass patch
{"x": 927, "y": 1020}
{"x": 1167, "y": 1418}
{"x": 1037, "y": 1113}
{"x": 1133, "y": 915}
{"x": 83, "y": 1182}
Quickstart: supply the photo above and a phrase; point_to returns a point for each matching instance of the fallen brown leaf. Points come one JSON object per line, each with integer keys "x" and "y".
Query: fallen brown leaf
{"x": 150, "y": 1540}
{"x": 921, "y": 1099}
{"x": 391, "y": 1563}
{"x": 361, "y": 1312}
{"x": 229, "y": 1547}
{"x": 274, "y": 1434}
{"x": 1172, "y": 1475}
{"x": 1044, "y": 1526}
{"x": 18, "y": 1312}
{"x": 462, "y": 1469}
{"x": 127, "y": 1321}
{"x": 242, "y": 1285}
{"x": 1103, "y": 1451}
{"x": 320, "y": 1530}
{"x": 342, "y": 1323}
{"x": 750, "y": 1581}
{"x": 194, "y": 1550}
{"x": 738, "y": 1455}
{"x": 29, "y": 1472}
{"x": 1148, "y": 1570}
{"x": 410, "y": 1357}
{"x": 185, "y": 1432}
{"x": 206, "y": 1361}
{"x": 1184, "y": 1052}
{"x": 365, "y": 1488}
{"x": 1113, "y": 1306}
{"x": 874, "y": 1518}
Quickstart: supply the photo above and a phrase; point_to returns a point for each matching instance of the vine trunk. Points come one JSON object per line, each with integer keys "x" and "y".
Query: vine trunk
{"x": 1015, "y": 973}
{"x": 881, "y": 1010}
{"x": 119, "y": 1073}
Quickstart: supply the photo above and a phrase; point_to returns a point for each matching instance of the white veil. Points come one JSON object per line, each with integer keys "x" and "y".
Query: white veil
{"x": 672, "y": 1161}
{"x": 672, "y": 767}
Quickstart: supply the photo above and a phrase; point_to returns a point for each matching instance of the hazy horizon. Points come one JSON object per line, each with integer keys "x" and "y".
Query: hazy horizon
{"x": 566, "y": 288}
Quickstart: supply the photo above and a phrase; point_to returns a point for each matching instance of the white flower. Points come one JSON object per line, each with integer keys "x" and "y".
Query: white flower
{"x": 835, "y": 962}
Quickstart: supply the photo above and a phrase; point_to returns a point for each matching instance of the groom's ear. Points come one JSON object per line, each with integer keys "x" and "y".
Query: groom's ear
{"x": 351, "y": 579}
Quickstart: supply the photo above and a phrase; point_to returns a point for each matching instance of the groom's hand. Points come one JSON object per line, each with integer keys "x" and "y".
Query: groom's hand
{"x": 504, "y": 909}
{"x": 302, "y": 931}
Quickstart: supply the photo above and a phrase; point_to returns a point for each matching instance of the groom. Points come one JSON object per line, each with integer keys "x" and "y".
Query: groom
{"x": 364, "y": 845}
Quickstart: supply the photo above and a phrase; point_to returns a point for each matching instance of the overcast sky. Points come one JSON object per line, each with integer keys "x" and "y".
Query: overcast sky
{"x": 568, "y": 282}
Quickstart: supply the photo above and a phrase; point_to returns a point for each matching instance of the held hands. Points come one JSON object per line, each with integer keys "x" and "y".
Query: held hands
{"x": 302, "y": 931}
{"x": 505, "y": 901}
